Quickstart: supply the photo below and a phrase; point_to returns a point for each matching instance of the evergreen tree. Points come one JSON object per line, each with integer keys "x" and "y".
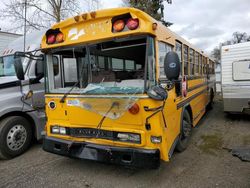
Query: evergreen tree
{"x": 154, "y": 8}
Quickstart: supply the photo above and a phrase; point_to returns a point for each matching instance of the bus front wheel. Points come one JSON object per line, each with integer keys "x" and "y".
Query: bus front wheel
{"x": 186, "y": 130}
{"x": 15, "y": 136}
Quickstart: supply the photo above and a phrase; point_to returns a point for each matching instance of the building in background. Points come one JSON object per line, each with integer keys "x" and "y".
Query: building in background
{"x": 6, "y": 38}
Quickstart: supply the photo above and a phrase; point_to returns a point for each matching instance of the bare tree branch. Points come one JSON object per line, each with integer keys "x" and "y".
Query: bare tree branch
{"x": 40, "y": 13}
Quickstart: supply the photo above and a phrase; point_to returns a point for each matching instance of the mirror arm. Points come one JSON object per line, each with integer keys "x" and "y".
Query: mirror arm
{"x": 157, "y": 110}
{"x": 147, "y": 109}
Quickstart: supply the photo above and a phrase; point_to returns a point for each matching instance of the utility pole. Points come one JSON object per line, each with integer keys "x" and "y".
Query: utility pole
{"x": 25, "y": 24}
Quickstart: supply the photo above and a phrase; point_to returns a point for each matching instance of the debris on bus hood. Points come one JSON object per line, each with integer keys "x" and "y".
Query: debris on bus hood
{"x": 105, "y": 104}
{"x": 112, "y": 88}
{"x": 242, "y": 153}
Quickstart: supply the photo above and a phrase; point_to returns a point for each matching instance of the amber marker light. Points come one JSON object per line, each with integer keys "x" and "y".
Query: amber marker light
{"x": 132, "y": 24}
{"x": 134, "y": 109}
{"x": 59, "y": 37}
{"x": 93, "y": 14}
{"x": 118, "y": 25}
{"x": 84, "y": 16}
{"x": 77, "y": 18}
{"x": 154, "y": 26}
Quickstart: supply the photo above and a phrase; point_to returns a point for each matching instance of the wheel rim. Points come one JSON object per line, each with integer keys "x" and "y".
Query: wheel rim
{"x": 16, "y": 137}
{"x": 187, "y": 128}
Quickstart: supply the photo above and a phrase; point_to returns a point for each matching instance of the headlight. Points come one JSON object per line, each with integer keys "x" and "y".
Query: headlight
{"x": 129, "y": 137}
{"x": 58, "y": 130}
{"x": 156, "y": 139}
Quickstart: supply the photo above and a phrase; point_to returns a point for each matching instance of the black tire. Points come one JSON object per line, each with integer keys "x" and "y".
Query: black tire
{"x": 15, "y": 136}
{"x": 211, "y": 101}
{"x": 186, "y": 131}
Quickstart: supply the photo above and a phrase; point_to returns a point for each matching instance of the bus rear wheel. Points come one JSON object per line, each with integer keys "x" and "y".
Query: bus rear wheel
{"x": 15, "y": 136}
{"x": 186, "y": 131}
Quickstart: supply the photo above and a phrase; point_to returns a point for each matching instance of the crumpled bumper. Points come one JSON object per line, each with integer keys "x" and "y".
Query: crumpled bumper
{"x": 133, "y": 157}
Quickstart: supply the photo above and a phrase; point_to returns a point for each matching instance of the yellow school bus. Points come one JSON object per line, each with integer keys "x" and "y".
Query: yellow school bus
{"x": 130, "y": 90}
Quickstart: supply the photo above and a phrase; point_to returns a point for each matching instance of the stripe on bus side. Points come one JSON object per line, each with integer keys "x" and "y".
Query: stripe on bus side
{"x": 186, "y": 101}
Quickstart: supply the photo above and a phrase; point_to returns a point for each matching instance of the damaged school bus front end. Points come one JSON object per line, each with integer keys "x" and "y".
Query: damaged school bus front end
{"x": 98, "y": 108}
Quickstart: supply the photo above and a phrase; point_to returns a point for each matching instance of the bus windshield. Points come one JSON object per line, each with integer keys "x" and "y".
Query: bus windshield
{"x": 112, "y": 67}
{"x": 7, "y": 66}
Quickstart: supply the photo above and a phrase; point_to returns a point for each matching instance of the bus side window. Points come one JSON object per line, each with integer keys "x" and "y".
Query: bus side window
{"x": 191, "y": 60}
{"x": 185, "y": 59}
{"x": 200, "y": 64}
{"x": 178, "y": 50}
{"x": 204, "y": 65}
{"x": 197, "y": 63}
{"x": 164, "y": 48}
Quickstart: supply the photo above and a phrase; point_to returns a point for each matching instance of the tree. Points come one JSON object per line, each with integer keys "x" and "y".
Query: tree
{"x": 216, "y": 54}
{"x": 154, "y": 8}
{"x": 40, "y": 13}
{"x": 237, "y": 37}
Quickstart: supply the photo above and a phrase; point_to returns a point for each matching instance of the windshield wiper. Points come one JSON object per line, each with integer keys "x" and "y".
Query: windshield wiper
{"x": 62, "y": 100}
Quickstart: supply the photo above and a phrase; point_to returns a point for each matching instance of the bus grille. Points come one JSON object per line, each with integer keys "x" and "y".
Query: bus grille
{"x": 91, "y": 133}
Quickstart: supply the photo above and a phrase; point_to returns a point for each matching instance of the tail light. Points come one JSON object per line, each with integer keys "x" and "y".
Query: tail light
{"x": 51, "y": 39}
{"x": 118, "y": 25}
{"x": 125, "y": 24}
{"x": 132, "y": 24}
{"x": 134, "y": 109}
{"x": 55, "y": 38}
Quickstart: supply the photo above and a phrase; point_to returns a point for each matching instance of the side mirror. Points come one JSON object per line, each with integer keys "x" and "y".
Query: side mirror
{"x": 157, "y": 93}
{"x": 39, "y": 69}
{"x": 172, "y": 66}
{"x": 19, "y": 68}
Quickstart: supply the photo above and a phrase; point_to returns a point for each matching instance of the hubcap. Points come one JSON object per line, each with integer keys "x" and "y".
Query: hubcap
{"x": 16, "y": 137}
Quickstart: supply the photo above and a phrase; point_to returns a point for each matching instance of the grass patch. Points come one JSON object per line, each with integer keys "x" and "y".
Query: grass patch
{"x": 211, "y": 143}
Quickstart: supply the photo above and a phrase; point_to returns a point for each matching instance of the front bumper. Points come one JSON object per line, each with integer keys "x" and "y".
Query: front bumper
{"x": 142, "y": 158}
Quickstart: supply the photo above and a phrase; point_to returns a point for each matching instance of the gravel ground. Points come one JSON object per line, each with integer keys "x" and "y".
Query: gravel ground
{"x": 206, "y": 163}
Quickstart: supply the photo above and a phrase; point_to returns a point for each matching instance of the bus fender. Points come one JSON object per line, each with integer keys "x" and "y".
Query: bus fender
{"x": 186, "y": 107}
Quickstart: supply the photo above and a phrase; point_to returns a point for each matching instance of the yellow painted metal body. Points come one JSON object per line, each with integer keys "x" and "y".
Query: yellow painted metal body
{"x": 89, "y": 30}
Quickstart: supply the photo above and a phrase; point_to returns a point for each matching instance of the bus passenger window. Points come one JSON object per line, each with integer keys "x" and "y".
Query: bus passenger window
{"x": 101, "y": 62}
{"x": 204, "y": 65}
{"x": 117, "y": 64}
{"x": 185, "y": 60}
{"x": 163, "y": 50}
{"x": 200, "y": 64}
{"x": 191, "y": 60}
{"x": 196, "y": 63}
{"x": 129, "y": 65}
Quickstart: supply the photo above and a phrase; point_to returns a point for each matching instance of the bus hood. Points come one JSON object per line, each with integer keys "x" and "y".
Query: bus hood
{"x": 90, "y": 111}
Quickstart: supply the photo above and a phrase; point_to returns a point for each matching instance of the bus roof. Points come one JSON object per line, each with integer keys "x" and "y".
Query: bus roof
{"x": 97, "y": 25}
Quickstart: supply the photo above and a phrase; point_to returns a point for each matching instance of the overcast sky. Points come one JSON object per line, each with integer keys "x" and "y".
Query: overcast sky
{"x": 203, "y": 23}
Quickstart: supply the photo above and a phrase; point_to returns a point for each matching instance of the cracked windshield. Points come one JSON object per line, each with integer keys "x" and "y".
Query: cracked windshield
{"x": 113, "y": 67}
